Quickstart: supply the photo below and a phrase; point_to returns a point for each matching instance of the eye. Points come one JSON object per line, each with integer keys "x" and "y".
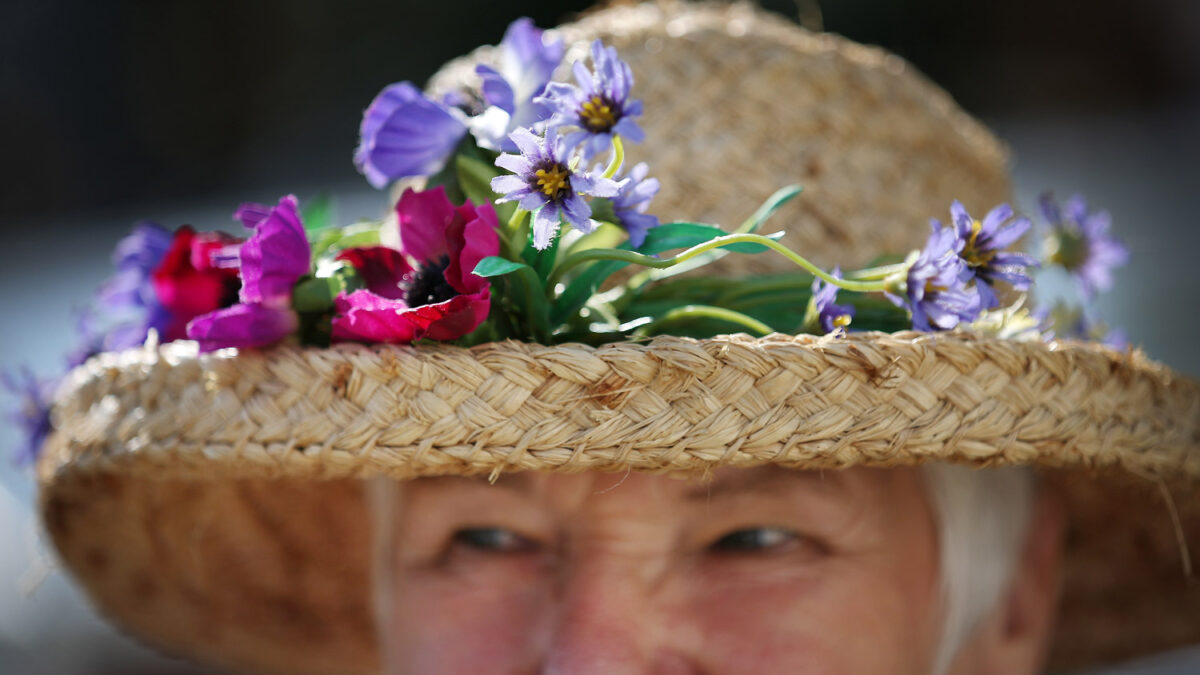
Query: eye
{"x": 755, "y": 539}
{"x": 493, "y": 540}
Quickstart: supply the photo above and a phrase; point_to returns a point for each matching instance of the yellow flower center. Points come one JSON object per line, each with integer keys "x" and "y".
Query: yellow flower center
{"x": 552, "y": 181}
{"x": 973, "y": 256}
{"x": 597, "y": 115}
{"x": 841, "y": 321}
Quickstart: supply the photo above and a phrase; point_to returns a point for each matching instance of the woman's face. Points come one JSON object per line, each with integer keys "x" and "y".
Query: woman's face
{"x": 761, "y": 570}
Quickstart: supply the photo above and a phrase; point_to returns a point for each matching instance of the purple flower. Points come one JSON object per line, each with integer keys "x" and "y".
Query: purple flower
{"x": 545, "y": 185}
{"x": 273, "y": 259}
{"x": 984, "y": 245}
{"x": 31, "y": 415}
{"x": 830, "y": 316}
{"x": 936, "y": 288}
{"x": 631, "y": 202}
{"x": 599, "y": 107}
{"x": 527, "y": 62}
{"x": 1080, "y": 242}
{"x": 404, "y": 134}
{"x": 1076, "y": 323}
{"x": 128, "y": 297}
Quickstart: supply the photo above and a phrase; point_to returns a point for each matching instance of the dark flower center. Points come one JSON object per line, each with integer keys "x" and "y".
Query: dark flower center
{"x": 975, "y": 256}
{"x": 553, "y": 180}
{"x": 428, "y": 286}
{"x": 1068, "y": 249}
{"x": 598, "y": 114}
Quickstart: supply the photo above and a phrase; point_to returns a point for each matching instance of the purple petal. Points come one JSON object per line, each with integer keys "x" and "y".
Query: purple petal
{"x": 275, "y": 257}
{"x": 495, "y": 89}
{"x": 242, "y": 326}
{"x": 545, "y": 225}
{"x": 405, "y": 134}
{"x": 514, "y": 163}
{"x": 578, "y": 213}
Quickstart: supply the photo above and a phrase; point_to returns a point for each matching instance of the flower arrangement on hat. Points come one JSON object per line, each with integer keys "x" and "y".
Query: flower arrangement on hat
{"x": 522, "y": 315}
{"x": 524, "y": 214}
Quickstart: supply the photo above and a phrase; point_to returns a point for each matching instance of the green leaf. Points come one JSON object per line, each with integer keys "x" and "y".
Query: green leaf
{"x": 447, "y": 177}
{"x": 774, "y": 202}
{"x": 315, "y": 295}
{"x": 475, "y": 179}
{"x": 318, "y": 213}
{"x": 495, "y": 266}
{"x": 360, "y": 234}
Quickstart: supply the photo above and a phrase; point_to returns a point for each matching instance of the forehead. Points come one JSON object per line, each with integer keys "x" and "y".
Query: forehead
{"x": 858, "y": 487}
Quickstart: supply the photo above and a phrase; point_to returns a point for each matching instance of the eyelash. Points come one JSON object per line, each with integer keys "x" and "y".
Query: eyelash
{"x": 755, "y": 540}
{"x": 493, "y": 540}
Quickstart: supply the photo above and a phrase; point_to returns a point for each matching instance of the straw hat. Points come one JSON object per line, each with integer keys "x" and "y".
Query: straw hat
{"x": 211, "y": 504}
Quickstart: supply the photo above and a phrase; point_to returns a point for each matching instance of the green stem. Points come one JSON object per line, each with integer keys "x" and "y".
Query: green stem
{"x": 881, "y": 272}
{"x": 618, "y": 157}
{"x": 539, "y": 322}
{"x": 705, "y": 312}
{"x": 516, "y": 232}
{"x": 716, "y": 242}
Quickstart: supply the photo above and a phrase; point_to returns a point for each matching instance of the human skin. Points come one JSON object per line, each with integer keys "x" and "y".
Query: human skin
{"x": 762, "y": 570}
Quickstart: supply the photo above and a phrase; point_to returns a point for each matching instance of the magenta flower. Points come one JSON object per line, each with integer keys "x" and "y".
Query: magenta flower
{"x": 272, "y": 260}
{"x": 428, "y": 290}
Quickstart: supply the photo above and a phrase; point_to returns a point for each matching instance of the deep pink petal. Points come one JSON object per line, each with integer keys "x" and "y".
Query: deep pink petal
{"x": 424, "y": 217}
{"x": 380, "y": 267}
{"x": 457, "y": 316}
{"x": 242, "y": 325}
{"x": 471, "y": 238}
{"x": 362, "y": 316}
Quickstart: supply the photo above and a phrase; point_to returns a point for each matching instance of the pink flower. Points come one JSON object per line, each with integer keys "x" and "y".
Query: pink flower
{"x": 427, "y": 290}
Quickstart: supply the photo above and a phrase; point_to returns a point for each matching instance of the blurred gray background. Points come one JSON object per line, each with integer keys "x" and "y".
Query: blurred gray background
{"x": 176, "y": 112}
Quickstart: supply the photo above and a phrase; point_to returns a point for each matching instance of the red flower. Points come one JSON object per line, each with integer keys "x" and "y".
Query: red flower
{"x": 426, "y": 290}
{"x": 187, "y": 281}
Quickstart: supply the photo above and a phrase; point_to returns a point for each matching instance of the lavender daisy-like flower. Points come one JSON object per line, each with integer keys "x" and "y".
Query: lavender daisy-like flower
{"x": 600, "y": 106}
{"x": 527, "y": 61}
{"x": 936, "y": 289}
{"x": 31, "y": 415}
{"x": 546, "y": 185}
{"x": 830, "y": 316}
{"x": 1079, "y": 241}
{"x": 631, "y": 203}
{"x": 984, "y": 244}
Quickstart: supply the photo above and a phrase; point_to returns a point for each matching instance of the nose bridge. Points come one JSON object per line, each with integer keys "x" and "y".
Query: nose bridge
{"x": 607, "y": 620}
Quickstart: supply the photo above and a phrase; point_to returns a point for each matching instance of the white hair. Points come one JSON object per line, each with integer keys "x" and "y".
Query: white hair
{"x": 982, "y": 517}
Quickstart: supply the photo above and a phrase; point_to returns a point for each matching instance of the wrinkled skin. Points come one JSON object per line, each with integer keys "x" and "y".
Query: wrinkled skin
{"x": 761, "y": 570}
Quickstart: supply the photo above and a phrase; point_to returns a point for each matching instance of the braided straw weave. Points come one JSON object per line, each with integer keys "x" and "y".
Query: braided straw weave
{"x": 739, "y": 103}
{"x": 183, "y": 490}
{"x": 673, "y": 404}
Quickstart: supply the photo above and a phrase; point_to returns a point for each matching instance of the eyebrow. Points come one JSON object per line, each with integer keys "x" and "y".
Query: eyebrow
{"x": 764, "y": 480}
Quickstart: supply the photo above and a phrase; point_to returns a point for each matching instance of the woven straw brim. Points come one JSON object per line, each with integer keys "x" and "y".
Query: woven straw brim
{"x": 740, "y": 102}
{"x": 188, "y": 493}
